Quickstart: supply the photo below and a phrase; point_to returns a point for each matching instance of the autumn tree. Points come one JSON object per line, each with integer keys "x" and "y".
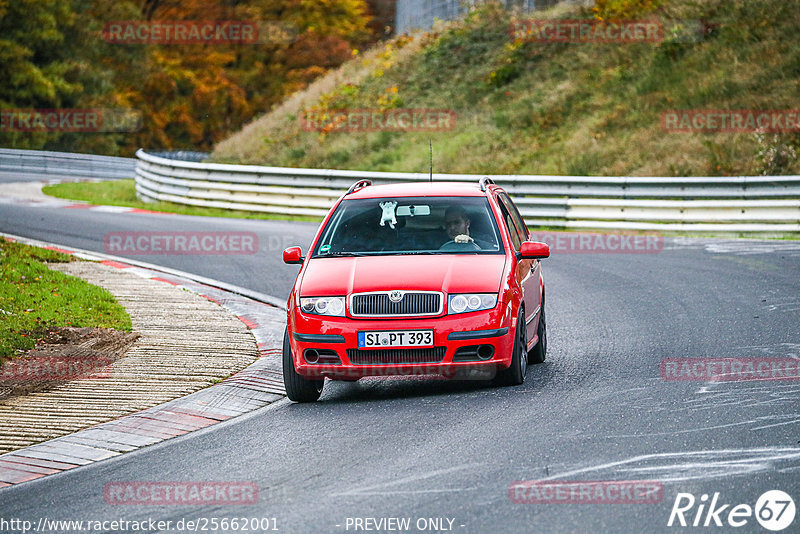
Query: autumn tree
{"x": 189, "y": 95}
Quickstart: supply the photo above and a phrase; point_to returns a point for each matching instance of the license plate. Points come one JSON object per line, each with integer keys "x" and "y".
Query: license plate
{"x": 396, "y": 338}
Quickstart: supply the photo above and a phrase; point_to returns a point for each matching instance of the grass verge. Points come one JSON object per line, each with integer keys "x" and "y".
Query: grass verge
{"x": 34, "y": 298}
{"x": 123, "y": 193}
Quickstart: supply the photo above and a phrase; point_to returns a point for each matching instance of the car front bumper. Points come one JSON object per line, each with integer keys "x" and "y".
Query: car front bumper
{"x": 457, "y": 341}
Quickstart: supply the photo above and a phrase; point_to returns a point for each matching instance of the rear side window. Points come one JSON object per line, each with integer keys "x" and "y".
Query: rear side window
{"x": 518, "y": 220}
{"x": 513, "y": 231}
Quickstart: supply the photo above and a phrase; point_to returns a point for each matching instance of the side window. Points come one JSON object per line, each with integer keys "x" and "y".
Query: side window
{"x": 509, "y": 222}
{"x": 520, "y": 222}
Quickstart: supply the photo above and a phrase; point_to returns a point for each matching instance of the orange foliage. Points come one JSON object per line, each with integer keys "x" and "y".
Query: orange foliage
{"x": 193, "y": 95}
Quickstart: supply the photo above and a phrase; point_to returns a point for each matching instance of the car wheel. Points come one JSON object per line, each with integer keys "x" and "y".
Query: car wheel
{"x": 298, "y": 389}
{"x": 539, "y": 351}
{"x": 515, "y": 374}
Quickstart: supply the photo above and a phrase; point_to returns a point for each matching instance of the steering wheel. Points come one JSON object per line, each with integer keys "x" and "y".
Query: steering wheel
{"x": 468, "y": 246}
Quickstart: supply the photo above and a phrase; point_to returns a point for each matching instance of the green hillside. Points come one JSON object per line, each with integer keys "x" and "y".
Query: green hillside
{"x": 556, "y": 108}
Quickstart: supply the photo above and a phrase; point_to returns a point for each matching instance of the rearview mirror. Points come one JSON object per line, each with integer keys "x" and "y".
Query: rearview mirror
{"x": 293, "y": 255}
{"x": 411, "y": 211}
{"x": 533, "y": 250}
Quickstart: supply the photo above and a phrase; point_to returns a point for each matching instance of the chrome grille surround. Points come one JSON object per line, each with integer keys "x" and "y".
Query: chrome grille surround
{"x": 413, "y": 304}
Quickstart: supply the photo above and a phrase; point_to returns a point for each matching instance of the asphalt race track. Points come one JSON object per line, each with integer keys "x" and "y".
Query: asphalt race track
{"x": 597, "y": 410}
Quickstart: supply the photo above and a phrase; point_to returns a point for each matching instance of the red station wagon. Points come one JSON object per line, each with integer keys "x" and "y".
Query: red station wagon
{"x": 419, "y": 278}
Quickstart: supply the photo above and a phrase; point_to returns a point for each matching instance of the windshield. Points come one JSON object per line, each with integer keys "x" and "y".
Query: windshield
{"x": 410, "y": 225}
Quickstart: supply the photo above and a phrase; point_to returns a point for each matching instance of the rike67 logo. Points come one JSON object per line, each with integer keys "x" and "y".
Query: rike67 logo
{"x": 774, "y": 510}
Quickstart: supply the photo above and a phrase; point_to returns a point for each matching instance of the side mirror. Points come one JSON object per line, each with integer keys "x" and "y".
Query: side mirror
{"x": 533, "y": 250}
{"x": 293, "y": 255}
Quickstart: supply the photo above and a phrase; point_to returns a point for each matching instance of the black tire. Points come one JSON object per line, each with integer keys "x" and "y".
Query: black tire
{"x": 515, "y": 374}
{"x": 298, "y": 389}
{"x": 539, "y": 351}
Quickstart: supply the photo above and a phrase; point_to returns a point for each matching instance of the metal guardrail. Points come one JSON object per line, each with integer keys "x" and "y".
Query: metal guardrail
{"x": 65, "y": 164}
{"x": 183, "y": 155}
{"x": 718, "y": 204}
{"x": 413, "y": 15}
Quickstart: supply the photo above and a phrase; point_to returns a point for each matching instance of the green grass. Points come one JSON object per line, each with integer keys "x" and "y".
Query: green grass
{"x": 123, "y": 193}
{"x": 556, "y": 108}
{"x": 34, "y": 298}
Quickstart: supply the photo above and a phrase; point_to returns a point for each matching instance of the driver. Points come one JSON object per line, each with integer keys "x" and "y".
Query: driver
{"x": 457, "y": 222}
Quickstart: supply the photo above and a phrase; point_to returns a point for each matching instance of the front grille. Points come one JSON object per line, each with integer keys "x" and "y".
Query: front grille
{"x": 399, "y": 356}
{"x": 379, "y": 304}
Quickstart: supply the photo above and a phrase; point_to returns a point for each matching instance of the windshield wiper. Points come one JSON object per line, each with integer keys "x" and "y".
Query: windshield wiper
{"x": 392, "y": 253}
{"x": 342, "y": 254}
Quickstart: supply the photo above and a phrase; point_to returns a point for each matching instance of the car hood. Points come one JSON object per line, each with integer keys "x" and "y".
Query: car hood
{"x": 451, "y": 273}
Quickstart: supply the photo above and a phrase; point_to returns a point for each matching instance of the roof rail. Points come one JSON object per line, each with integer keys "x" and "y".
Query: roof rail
{"x": 484, "y": 182}
{"x": 358, "y": 185}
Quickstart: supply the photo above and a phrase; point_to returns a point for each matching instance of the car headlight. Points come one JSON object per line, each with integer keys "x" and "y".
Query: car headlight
{"x": 323, "y": 305}
{"x": 470, "y": 302}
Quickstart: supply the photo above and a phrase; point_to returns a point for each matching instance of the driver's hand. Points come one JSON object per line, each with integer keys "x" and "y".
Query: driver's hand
{"x": 463, "y": 238}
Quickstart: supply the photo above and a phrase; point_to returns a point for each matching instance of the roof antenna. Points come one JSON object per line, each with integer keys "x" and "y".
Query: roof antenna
{"x": 431, "y": 146}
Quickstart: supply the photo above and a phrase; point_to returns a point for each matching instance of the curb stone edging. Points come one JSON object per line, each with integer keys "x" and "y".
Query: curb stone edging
{"x": 256, "y": 386}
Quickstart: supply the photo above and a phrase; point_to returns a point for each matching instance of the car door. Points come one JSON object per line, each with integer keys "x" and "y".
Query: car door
{"x": 527, "y": 270}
